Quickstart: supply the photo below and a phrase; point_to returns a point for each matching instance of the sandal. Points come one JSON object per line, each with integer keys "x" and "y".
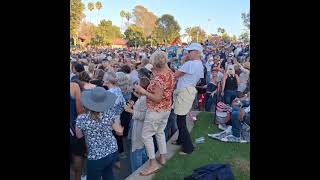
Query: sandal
{"x": 158, "y": 160}
{"x": 143, "y": 173}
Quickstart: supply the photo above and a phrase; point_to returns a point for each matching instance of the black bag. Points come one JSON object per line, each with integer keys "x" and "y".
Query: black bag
{"x": 212, "y": 172}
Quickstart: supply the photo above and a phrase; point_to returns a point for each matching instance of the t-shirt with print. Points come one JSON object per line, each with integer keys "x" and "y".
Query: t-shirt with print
{"x": 193, "y": 71}
{"x": 165, "y": 81}
{"x": 119, "y": 103}
{"x": 98, "y": 134}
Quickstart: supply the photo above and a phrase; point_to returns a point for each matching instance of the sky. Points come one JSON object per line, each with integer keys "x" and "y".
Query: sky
{"x": 223, "y": 13}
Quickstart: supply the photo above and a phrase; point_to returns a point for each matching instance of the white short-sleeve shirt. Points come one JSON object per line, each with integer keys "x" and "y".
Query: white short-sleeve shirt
{"x": 193, "y": 72}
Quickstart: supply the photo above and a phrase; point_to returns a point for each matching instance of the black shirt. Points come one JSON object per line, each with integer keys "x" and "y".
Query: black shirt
{"x": 231, "y": 83}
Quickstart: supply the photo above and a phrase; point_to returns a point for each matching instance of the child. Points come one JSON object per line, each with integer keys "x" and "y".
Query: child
{"x": 138, "y": 153}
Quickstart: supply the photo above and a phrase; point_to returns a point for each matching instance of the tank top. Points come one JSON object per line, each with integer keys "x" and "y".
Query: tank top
{"x": 231, "y": 83}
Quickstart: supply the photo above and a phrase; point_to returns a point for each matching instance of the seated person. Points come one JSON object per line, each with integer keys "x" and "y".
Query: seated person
{"x": 240, "y": 119}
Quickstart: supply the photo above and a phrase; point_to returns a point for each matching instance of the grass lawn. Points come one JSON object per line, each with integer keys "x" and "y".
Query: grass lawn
{"x": 212, "y": 151}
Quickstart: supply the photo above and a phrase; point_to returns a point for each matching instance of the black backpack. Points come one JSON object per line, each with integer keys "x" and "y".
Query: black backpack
{"x": 212, "y": 172}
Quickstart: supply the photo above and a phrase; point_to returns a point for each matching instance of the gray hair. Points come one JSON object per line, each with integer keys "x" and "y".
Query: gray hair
{"x": 122, "y": 81}
{"x": 159, "y": 59}
{"x": 145, "y": 61}
{"x": 110, "y": 77}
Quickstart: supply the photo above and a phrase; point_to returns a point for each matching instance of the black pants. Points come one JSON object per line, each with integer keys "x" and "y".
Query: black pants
{"x": 184, "y": 137}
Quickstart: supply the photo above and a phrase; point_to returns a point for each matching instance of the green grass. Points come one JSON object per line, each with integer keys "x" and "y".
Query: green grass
{"x": 212, "y": 151}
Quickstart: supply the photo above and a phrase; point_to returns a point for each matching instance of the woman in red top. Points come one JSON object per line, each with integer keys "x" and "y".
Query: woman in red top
{"x": 159, "y": 100}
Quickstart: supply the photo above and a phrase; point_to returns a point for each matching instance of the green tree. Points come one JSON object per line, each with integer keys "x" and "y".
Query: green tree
{"x": 88, "y": 31}
{"x": 234, "y": 38}
{"x": 221, "y": 30}
{"x": 91, "y": 8}
{"x": 98, "y": 7}
{"x": 105, "y": 33}
{"x": 126, "y": 15}
{"x": 245, "y": 36}
{"x": 246, "y": 19}
{"x": 167, "y": 29}
{"x": 122, "y": 15}
{"x": 134, "y": 35}
{"x": 144, "y": 19}
{"x": 196, "y": 34}
{"x": 76, "y": 13}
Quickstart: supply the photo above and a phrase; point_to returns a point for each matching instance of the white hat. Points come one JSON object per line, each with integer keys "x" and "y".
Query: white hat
{"x": 194, "y": 46}
{"x": 149, "y": 67}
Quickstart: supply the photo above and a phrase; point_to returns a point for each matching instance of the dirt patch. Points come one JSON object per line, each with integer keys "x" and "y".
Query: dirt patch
{"x": 242, "y": 164}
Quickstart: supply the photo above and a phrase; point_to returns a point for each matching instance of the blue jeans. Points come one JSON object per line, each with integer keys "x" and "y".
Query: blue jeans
{"x": 235, "y": 121}
{"x": 101, "y": 168}
{"x": 210, "y": 103}
{"x": 138, "y": 158}
{"x": 229, "y": 96}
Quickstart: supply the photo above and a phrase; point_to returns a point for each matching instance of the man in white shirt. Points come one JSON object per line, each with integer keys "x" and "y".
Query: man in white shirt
{"x": 187, "y": 75}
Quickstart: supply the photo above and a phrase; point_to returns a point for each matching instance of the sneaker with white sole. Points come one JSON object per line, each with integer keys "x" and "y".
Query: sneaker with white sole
{"x": 232, "y": 138}
{"x": 219, "y": 135}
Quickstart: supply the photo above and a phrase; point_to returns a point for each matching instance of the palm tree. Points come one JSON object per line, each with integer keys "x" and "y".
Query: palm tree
{"x": 90, "y": 7}
{"x": 221, "y": 30}
{"x": 98, "y": 6}
{"x": 122, "y": 15}
{"x": 128, "y": 17}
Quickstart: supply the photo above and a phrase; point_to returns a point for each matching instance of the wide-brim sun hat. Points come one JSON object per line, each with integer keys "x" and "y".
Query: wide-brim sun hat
{"x": 98, "y": 99}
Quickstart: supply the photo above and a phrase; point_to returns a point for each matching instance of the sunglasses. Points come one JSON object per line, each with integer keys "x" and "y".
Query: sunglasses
{"x": 189, "y": 51}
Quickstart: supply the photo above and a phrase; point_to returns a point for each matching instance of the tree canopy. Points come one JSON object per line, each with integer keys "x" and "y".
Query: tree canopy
{"x": 134, "y": 35}
{"x": 193, "y": 33}
{"x": 144, "y": 19}
{"x": 76, "y": 13}
{"x": 167, "y": 29}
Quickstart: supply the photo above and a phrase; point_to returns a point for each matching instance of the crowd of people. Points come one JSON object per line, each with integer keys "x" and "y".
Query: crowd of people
{"x": 137, "y": 99}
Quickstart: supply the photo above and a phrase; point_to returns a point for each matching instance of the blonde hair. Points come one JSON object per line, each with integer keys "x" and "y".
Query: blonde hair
{"x": 92, "y": 114}
{"x": 159, "y": 59}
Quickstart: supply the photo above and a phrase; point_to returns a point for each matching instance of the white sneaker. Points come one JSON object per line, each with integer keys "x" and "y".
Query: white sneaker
{"x": 84, "y": 177}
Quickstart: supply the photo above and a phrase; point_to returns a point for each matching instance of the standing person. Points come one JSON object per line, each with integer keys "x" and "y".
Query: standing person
{"x": 97, "y": 78}
{"x": 138, "y": 153}
{"x": 77, "y": 68}
{"x": 244, "y": 76}
{"x": 159, "y": 99}
{"x": 110, "y": 80}
{"x": 188, "y": 75}
{"x": 77, "y": 146}
{"x": 85, "y": 81}
{"x": 125, "y": 117}
{"x": 96, "y": 126}
{"x": 230, "y": 85}
{"x": 212, "y": 88}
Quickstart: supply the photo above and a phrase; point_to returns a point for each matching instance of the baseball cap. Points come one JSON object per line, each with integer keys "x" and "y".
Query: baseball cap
{"x": 194, "y": 46}
{"x": 149, "y": 67}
